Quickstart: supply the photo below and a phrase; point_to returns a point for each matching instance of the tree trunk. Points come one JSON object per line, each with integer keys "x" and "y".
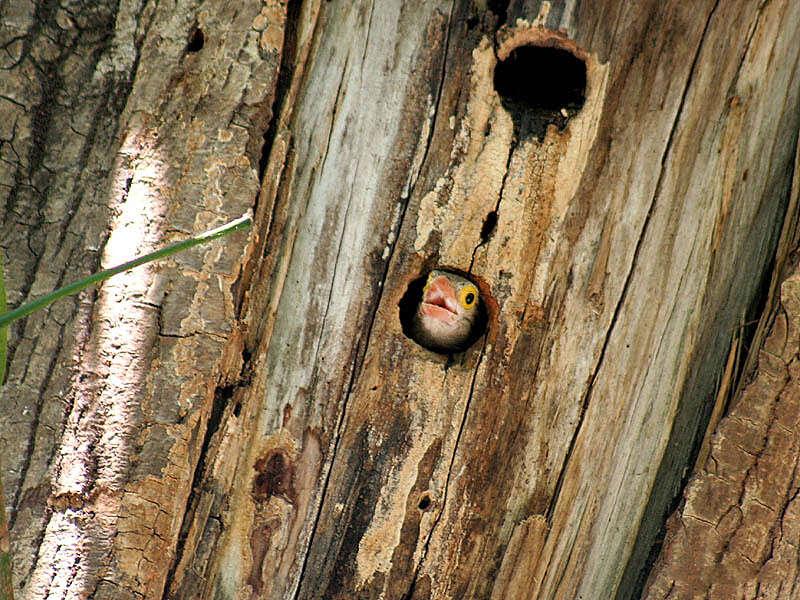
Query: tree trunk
{"x": 125, "y": 125}
{"x": 250, "y": 421}
{"x": 736, "y": 534}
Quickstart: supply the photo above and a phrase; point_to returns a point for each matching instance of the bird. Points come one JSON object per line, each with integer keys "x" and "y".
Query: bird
{"x": 450, "y": 315}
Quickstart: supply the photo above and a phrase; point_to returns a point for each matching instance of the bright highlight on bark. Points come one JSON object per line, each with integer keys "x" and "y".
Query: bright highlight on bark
{"x": 23, "y": 311}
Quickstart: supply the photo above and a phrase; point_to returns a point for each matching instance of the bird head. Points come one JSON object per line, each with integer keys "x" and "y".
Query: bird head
{"x": 448, "y": 312}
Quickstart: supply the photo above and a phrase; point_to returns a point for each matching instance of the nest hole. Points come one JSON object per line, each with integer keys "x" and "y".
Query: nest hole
{"x": 410, "y": 302}
{"x": 197, "y": 40}
{"x": 540, "y": 86}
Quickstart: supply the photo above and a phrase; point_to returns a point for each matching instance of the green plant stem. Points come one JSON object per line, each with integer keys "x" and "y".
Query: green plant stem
{"x": 6, "y": 580}
{"x": 3, "y": 330}
{"x": 23, "y": 311}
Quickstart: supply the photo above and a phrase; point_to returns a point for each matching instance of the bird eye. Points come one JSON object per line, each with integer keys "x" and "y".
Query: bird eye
{"x": 468, "y": 296}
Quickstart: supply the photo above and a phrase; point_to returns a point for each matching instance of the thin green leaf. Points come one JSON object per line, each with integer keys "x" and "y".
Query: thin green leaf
{"x": 6, "y": 581}
{"x": 23, "y": 311}
{"x": 3, "y": 328}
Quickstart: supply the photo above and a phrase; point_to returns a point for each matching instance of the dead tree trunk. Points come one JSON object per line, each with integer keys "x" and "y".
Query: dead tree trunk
{"x": 737, "y": 532}
{"x": 251, "y": 422}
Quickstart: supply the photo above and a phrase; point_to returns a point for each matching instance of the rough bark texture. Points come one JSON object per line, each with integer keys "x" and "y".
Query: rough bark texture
{"x": 336, "y": 458}
{"x": 737, "y": 532}
{"x": 120, "y": 131}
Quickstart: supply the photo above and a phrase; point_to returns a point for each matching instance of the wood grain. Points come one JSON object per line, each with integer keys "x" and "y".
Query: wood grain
{"x": 282, "y": 437}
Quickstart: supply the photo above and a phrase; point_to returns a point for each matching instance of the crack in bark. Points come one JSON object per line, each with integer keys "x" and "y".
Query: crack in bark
{"x": 369, "y": 31}
{"x": 360, "y": 354}
{"x": 283, "y": 85}
{"x": 335, "y": 110}
{"x": 496, "y": 209}
{"x": 443, "y": 504}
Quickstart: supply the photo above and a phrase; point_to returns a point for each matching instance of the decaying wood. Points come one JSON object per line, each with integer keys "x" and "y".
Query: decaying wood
{"x": 614, "y": 275}
{"x": 736, "y": 533}
{"x": 311, "y": 450}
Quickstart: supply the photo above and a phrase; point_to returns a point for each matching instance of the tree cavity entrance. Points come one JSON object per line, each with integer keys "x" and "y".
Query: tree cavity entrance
{"x": 540, "y": 86}
{"x": 471, "y": 294}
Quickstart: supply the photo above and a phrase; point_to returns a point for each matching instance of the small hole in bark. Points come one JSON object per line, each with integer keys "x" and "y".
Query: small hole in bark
{"x": 409, "y": 305}
{"x": 424, "y": 501}
{"x": 500, "y": 8}
{"x": 540, "y": 86}
{"x": 196, "y": 40}
{"x": 489, "y": 224}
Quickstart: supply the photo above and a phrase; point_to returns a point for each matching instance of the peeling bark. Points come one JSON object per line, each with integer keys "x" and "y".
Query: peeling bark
{"x": 272, "y": 433}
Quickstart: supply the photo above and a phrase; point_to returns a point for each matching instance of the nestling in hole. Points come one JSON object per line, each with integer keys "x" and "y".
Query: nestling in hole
{"x": 443, "y": 312}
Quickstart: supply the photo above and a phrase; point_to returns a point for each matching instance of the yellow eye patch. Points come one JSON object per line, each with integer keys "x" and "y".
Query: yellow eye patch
{"x": 468, "y": 296}
{"x": 431, "y": 275}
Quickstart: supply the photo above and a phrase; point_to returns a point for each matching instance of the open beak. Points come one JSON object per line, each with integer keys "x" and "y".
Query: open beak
{"x": 439, "y": 301}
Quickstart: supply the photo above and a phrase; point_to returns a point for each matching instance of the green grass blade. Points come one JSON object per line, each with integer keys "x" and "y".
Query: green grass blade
{"x": 6, "y": 582}
{"x": 23, "y": 311}
{"x": 3, "y": 328}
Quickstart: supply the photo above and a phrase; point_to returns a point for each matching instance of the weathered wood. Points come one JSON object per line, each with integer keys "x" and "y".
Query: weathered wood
{"x": 337, "y": 458}
{"x": 736, "y": 532}
{"x": 616, "y": 277}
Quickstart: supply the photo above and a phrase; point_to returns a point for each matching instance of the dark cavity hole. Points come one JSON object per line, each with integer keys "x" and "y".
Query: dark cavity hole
{"x": 222, "y": 395}
{"x": 499, "y": 8}
{"x": 196, "y": 40}
{"x": 410, "y": 302}
{"x": 289, "y": 63}
{"x": 424, "y": 501}
{"x": 540, "y": 86}
{"x": 489, "y": 224}
{"x": 541, "y": 78}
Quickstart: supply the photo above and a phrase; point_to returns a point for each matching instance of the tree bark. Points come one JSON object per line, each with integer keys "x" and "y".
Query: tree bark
{"x": 250, "y": 421}
{"x": 736, "y": 532}
{"x": 125, "y": 126}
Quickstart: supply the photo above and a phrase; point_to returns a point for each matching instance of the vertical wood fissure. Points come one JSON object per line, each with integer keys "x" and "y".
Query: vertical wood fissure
{"x": 497, "y": 203}
{"x": 360, "y": 353}
{"x": 454, "y": 452}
